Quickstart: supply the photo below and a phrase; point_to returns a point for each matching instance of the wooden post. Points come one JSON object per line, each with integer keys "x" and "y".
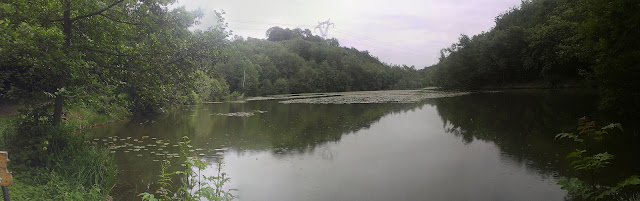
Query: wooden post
{"x": 5, "y": 175}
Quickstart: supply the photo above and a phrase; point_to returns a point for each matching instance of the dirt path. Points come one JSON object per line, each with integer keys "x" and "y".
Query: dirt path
{"x": 8, "y": 109}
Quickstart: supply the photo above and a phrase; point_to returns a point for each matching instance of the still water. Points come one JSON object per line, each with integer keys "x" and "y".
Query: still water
{"x": 482, "y": 146}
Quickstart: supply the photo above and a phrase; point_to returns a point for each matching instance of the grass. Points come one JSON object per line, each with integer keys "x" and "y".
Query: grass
{"x": 55, "y": 163}
{"x": 84, "y": 117}
{"x": 43, "y": 184}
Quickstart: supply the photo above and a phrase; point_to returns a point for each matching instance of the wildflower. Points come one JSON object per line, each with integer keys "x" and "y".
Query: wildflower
{"x": 44, "y": 148}
{"x": 46, "y": 142}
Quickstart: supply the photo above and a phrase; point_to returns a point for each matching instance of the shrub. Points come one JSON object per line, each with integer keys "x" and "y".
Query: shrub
{"x": 590, "y": 162}
{"x": 34, "y": 144}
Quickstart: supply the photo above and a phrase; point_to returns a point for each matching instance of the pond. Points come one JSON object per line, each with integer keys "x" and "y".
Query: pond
{"x": 481, "y": 146}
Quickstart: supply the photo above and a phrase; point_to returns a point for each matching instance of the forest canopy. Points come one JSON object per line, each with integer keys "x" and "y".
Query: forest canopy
{"x": 296, "y": 61}
{"x": 552, "y": 43}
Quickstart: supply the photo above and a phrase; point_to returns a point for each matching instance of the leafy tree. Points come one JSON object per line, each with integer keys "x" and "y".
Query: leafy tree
{"x": 554, "y": 42}
{"x": 141, "y": 49}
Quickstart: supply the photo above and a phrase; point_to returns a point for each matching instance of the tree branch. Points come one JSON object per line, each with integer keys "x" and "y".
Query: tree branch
{"x": 123, "y": 54}
{"x": 165, "y": 64}
{"x": 97, "y": 12}
{"x": 107, "y": 53}
{"x": 119, "y": 21}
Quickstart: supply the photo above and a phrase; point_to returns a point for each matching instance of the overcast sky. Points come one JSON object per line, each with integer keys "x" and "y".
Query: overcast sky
{"x": 408, "y": 32}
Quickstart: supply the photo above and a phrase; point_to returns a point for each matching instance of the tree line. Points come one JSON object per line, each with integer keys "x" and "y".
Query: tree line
{"x": 552, "y": 43}
{"x": 296, "y": 61}
{"x": 144, "y": 57}
{"x": 136, "y": 54}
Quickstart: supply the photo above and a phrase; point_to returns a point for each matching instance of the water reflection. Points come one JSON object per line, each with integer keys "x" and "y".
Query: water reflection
{"x": 523, "y": 124}
{"x": 283, "y": 130}
{"x": 485, "y": 146}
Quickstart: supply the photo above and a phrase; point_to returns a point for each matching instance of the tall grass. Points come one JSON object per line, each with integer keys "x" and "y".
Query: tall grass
{"x": 89, "y": 166}
{"x": 54, "y": 163}
{"x": 194, "y": 185}
{"x": 44, "y": 184}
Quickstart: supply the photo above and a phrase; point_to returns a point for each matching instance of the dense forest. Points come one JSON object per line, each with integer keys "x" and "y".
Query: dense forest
{"x": 148, "y": 61}
{"x": 71, "y": 65}
{"x": 552, "y": 43}
{"x": 296, "y": 61}
{"x": 74, "y": 64}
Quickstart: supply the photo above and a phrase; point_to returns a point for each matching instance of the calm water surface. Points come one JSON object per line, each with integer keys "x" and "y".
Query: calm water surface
{"x": 487, "y": 146}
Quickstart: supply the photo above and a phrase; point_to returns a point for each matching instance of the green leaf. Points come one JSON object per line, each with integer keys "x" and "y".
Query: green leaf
{"x": 576, "y": 154}
{"x": 632, "y": 180}
{"x": 613, "y": 126}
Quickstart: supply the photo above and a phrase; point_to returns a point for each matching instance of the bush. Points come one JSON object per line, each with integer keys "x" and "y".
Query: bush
{"x": 236, "y": 96}
{"x": 33, "y": 144}
{"x": 220, "y": 90}
{"x": 31, "y": 140}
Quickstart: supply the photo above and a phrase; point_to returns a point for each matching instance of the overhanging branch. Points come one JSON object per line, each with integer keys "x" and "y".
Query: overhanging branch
{"x": 119, "y": 21}
{"x": 93, "y": 13}
{"x": 97, "y": 12}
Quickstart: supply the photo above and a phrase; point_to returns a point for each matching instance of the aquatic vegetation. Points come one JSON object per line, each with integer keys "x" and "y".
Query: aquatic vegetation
{"x": 241, "y": 114}
{"x": 196, "y": 186}
{"x": 591, "y": 164}
{"x": 391, "y": 96}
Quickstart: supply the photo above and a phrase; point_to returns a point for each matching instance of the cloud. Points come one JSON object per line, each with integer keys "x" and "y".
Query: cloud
{"x": 408, "y": 32}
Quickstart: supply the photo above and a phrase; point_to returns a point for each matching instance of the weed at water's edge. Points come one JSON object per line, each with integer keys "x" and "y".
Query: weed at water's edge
{"x": 195, "y": 185}
{"x": 584, "y": 162}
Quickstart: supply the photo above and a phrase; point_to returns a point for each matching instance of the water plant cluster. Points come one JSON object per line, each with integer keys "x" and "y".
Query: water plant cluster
{"x": 194, "y": 184}
{"x": 152, "y": 148}
{"x": 586, "y": 159}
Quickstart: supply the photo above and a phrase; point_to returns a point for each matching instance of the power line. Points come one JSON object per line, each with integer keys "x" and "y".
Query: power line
{"x": 337, "y": 30}
{"x": 374, "y": 40}
{"x": 267, "y": 23}
{"x": 383, "y": 46}
{"x": 241, "y": 28}
{"x": 324, "y": 27}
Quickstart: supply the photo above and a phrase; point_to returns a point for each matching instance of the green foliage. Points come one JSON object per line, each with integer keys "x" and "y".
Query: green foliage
{"x": 236, "y": 96}
{"x": 88, "y": 166}
{"x": 195, "y": 186}
{"x": 67, "y": 49}
{"x": 32, "y": 141}
{"x": 296, "y": 61}
{"x": 632, "y": 180}
{"x": 577, "y": 187}
{"x": 591, "y": 163}
{"x": 53, "y": 162}
{"x": 38, "y": 150}
{"x": 42, "y": 184}
{"x": 587, "y": 131}
{"x": 552, "y": 43}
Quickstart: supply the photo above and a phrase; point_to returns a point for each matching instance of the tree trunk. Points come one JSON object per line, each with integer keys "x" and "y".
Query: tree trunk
{"x": 57, "y": 109}
{"x": 66, "y": 28}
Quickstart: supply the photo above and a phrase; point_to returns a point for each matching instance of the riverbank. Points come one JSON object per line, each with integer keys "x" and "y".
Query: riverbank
{"x": 55, "y": 163}
{"x": 539, "y": 85}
